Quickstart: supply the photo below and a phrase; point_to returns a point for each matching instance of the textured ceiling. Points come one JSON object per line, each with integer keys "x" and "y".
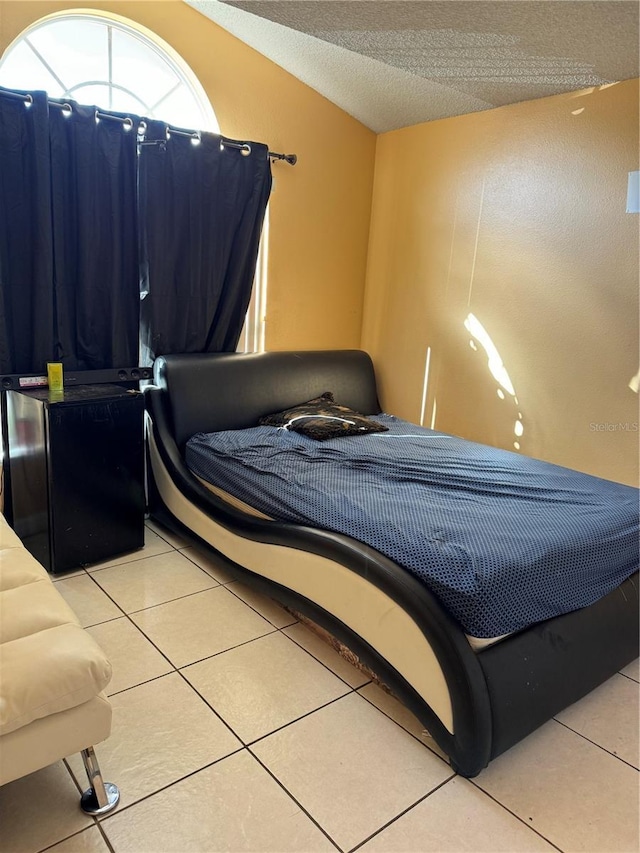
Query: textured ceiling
{"x": 392, "y": 63}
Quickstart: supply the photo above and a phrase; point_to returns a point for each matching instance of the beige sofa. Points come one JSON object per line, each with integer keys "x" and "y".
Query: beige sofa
{"x": 52, "y": 674}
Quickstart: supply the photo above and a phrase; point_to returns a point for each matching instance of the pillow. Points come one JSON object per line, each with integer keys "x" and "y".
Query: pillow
{"x": 322, "y": 418}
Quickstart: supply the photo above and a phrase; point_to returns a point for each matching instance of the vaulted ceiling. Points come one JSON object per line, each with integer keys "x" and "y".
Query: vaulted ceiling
{"x": 392, "y": 63}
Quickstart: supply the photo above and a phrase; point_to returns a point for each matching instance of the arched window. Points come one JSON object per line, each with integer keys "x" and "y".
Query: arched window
{"x": 103, "y": 59}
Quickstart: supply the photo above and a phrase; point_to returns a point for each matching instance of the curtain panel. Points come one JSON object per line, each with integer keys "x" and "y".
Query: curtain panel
{"x": 94, "y": 221}
{"x": 27, "y": 324}
{"x": 69, "y": 282}
{"x": 201, "y": 212}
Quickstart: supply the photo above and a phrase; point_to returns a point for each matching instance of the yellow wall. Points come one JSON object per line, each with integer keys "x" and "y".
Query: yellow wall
{"x": 516, "y": 215}
{"x": 319, "y": 208}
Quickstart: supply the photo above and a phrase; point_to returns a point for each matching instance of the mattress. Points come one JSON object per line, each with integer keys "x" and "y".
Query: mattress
{"x": 504, "y": 541}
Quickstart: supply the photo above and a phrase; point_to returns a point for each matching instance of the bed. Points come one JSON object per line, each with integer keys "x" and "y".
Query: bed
{"x": 478, "y": 688}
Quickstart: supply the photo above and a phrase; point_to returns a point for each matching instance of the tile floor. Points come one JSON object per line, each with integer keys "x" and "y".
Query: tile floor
{"x": 237, "y": 729}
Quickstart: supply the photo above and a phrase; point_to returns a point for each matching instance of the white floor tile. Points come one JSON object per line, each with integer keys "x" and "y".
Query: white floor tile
{"x": 265, "y": 606}
{"x": 265, "y": 684}
{"x": 189, "y": 629}
{"x": 234, "y": 806}
{"x": 457, "y": 818}
{"x": 632, "y": 670}
{"x": 87, "y": 841}
{"x": 153, "y": 580}
{"x": 162, "y": 731}
{"x": 133, "y": 658}
{"x": 610, "y": 717}
{"x": 351, "y": 768}
{"x": 87, "y": 600}
{"x": 39, "y": 810}
{"x": 575, "y": 794}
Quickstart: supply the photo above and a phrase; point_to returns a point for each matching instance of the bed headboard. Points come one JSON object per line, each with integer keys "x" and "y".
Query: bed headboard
{"x": 217, "y": 391}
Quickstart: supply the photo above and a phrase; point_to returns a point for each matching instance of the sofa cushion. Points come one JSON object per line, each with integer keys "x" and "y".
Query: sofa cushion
{"x": 31, "y": 608}
{"x": 18, "y": 567}
{"x": 48, "y": 662}
{"x": 8, "y": 537}
{"x": 47, "y": 672}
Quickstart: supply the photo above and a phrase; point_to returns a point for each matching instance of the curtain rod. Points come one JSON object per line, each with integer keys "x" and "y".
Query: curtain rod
{"x": 128, "y": 122}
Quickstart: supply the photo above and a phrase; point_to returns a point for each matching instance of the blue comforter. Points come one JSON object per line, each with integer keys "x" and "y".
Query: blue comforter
{"x": 501, "y": 539}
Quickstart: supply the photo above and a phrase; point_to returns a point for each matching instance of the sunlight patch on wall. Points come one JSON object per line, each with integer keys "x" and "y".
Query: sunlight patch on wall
{"x": 495, "y": 365}
{"x": 425, "y": 385}
{"x": 497, "y": 369}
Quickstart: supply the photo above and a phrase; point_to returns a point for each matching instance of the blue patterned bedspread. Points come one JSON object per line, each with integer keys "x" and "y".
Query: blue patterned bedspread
{"x": 502, "y": 540}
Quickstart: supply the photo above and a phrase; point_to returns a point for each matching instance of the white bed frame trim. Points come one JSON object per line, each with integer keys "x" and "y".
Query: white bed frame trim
{"x": 368, "y": 611}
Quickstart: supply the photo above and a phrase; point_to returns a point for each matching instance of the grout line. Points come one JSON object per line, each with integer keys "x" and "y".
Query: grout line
{"x": 402, "y": 813}
{"x": 301, "y": 717}
{"x": 188, "y": 557}
{"x": 140, "y": 683}
{"x": 171, "y": 600}
{"x": 68, "y": 838}
{"x": 110, "y": 599}
{"x": 105, "y": 838}
{"x": 93, "y": 818}
{"x": 103, "y": 621}
{"x": 630, "y": 677}
{"x": 157, "y": 532}
{"x": 173, "y": 666}
{"x": 123, "y": 808}
{"x": 322, "y": 663}
{"x": 159, "y": 650}
{"x": 295, "y": 800}
{"x": 255, "y": 610}
{"x": 415, "y": 737}
{"x": 215, "y": 585}
{"x": 70, "y": 772}
{"x": 517, "y": 816}
{"x": 598, "y": 745}
{"x": 96, "y": 567}
{"x": 212, "y": 709}
{"x": 222, "y": 651}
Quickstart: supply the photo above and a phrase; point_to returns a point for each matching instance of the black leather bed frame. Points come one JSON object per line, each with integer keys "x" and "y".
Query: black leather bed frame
{"x": 474, "y": 704}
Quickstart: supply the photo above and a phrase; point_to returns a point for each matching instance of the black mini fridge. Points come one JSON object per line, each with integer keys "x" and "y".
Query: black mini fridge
{"x": 76, "y": 462}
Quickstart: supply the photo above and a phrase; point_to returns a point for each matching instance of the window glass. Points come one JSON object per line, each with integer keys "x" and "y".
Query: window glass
{"x": 109, "y": 62}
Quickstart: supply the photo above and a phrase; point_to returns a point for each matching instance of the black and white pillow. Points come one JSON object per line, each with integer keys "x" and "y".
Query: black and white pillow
{"x": 322, "y": 418}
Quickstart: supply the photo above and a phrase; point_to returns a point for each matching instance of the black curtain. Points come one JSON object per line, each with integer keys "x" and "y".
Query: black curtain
{"x": 69, "y": 283}
{"x": 27, "y": 325}
{"x": 201, "y": 209}
{"x": 92, "y": 221}
{"x": 93, "y": 208}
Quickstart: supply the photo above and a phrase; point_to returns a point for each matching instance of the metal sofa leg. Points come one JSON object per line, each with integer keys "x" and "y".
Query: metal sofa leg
{"x": 102, "y": 796}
